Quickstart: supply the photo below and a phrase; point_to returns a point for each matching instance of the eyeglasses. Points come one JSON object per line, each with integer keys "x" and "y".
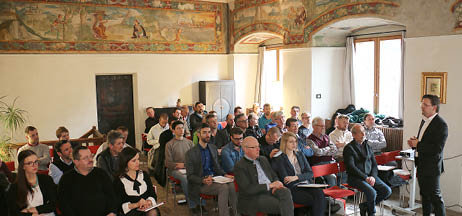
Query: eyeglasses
{"x": 323, "y": 126}
{"x": 237, "y": 138}
{"x": 252, "y": 147}
{"x": 32, "y": 163}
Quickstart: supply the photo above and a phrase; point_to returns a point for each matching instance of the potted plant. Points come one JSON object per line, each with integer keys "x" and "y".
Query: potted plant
{"x": 12, "y": 118}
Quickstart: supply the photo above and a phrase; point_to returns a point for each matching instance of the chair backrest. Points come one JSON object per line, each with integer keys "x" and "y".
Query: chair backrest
{"x": 325, "y": 169}
{"x": 93, "y": 148}
{"x": 10, "y": 165}
{"x": 51, "y": 152}
{"x": 381, "y": 159}
{"x": 341, "y": 166}
{"x": 386, "y": 157}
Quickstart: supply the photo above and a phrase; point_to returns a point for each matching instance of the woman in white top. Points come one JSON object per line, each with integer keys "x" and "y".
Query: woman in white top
{"x": 134, "y": 189}
{"x": 32, "y": 194}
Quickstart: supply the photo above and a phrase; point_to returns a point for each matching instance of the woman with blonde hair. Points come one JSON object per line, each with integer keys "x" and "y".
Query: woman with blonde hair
{"x": 293, "y": 168}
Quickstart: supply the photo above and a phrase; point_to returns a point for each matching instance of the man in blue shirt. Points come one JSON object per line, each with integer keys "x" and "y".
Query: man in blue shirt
{"x": 292, "y": 126}
{"x": 201, "y": 165}
{"x": 232, "y": 152}
{"x": 266, "y": 117}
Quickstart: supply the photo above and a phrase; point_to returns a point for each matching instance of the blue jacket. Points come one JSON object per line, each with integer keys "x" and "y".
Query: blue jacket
{"x": 229, "y": 157}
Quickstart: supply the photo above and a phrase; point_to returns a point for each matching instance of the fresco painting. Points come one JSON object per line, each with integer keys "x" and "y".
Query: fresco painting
{"x": 161, "y": 26}
{"x": 297, "y": 20}
{"x": 456, "y": 9}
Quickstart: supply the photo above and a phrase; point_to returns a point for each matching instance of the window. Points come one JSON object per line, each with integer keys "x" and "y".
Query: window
{"x": 377, "y": 74}
{"x": 271, "y": 84}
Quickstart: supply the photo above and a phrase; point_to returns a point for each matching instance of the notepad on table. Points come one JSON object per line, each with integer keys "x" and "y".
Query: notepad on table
{"x": 222, "y": 179}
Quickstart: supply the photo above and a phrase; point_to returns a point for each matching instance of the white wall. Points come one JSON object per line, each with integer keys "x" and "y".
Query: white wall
{"x": 437, "y": 54}
{"x": 245, "y": 75}
{"x": 60, "y": 89}
{"x": 295, "y": 69}
{"x": 327, "y": 80}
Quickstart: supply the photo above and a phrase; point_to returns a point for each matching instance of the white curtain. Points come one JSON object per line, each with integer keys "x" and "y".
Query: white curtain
{"x": 258, "y": 83}
{"x": 401, "y": 87}
{"x": 348, "y": 74}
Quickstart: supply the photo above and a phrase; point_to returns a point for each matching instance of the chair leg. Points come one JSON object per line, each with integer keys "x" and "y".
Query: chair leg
{"x": 200, "y": 204}
{"x": 328, "y": 203}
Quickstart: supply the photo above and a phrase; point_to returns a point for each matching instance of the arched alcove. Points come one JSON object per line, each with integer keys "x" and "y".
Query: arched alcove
{"x": 250, "y": 42}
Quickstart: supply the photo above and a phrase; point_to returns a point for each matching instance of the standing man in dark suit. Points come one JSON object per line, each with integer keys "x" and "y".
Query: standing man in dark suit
{"x": 361, "y": 168}
{"x": 259, "y": 187}
{"x": 430, "y": 140}
{"x": 201, "y": 165}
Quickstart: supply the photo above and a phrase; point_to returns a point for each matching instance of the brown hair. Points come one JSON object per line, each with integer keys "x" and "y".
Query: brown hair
{"x": 23, "y": 185}
{"x": 61, "y": 130}
{"x": 29, "y": 128}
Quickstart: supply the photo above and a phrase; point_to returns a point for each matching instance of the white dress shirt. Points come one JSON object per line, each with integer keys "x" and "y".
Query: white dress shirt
{"x": 154, "y": 133}
{"x": 425, "y": 125}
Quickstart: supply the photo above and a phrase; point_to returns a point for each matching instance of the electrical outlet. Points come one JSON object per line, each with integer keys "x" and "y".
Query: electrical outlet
{"x": 318, "y": 96}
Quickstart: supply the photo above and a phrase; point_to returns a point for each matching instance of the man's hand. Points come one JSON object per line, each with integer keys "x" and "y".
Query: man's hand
{"x": 207, "y": 180}
{"x": 111, "y": 214}
{"x": 412, "y": 142}
{"x": 339, "y": 144}
{"x": 179, "y": 165}
{"x": 370, "y": 180}
{"x": 307, "y": 147}
{"x": 289, "y": 179}
{"x": 274, "y": 186}
{"x": 273, "y": 152}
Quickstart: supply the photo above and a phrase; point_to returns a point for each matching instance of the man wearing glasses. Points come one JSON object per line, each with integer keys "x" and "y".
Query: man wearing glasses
{"x": 86, "y": 190}
{"x": 232, "y": 152}
{"x": 259, "y": 187}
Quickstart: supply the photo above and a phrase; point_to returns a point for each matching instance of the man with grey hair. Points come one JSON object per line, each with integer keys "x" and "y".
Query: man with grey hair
{"x": 341, "y": 135}
{"x": 259, "y": 187}
{"x": 323, "y": 149}
{"x": 253, "y": 129}
{"x": 277, "y": 120}
{"x": 108, "y": 160}
{"x": 305, "y": 128}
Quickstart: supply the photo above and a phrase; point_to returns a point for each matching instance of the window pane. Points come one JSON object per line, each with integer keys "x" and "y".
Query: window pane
{"x": 363, "y": 64}
{"x": 271, "y": 88}
{"x": 390, "y": 77}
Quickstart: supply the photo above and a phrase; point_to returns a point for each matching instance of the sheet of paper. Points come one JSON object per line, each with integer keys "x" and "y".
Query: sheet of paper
{"x": 222, "y": 179}
{"x": 313, "y": 185}
{"x": 385, "y": 168}
{"x": 182, "y": 171}
{"x": 154, "y": 206}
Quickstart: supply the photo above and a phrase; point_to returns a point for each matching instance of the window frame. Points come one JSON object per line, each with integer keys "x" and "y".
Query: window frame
{"x": 376, "y": 41}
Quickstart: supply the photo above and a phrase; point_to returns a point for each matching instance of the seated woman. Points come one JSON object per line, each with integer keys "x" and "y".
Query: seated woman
{"x": 134, "y": 190}
{"x": 292, "y": 168}
{"x": 32, "y": 193}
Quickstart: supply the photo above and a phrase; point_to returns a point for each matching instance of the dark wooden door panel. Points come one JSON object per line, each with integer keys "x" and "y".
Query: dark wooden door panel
{"x": 114, "y": 95}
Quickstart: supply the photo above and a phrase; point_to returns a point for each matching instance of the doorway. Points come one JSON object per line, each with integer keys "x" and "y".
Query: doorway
{"x": 114, "y": 100}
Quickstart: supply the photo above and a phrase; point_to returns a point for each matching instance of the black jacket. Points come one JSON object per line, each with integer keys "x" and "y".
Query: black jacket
{"x": 194, "y": 169}
{"x": 223, "y": 137}
{"x": 106, "y": 163}
{"x": 282, "y": 166}
{"x": 246, "y": 177}
{"x": 48, "y": 189}
{"x": 195, "y": 121}
{"x": 359, "y": 164}
{"x": 430, "y": 148}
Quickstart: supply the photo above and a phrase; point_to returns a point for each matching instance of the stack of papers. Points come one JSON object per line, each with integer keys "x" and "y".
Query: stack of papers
{"x": 222, "y": 179}
{"x": 313, "y": 185}
{"x": 154, "y": 206}
{"x": 385, "y": 168}
{"x": 182, "y": 171}
{"x": 401, "y": 172}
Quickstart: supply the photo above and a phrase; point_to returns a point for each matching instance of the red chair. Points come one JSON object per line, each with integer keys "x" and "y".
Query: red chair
{"x": 93, "y": 149}
{"x": 206, "y": 197}
{"x": 51, "y": 152}
{"x": 10, "y": 165}
{"x": 173, "y": 182}
{"x": 43, "y": 172}
{"x": 334, "y": 192}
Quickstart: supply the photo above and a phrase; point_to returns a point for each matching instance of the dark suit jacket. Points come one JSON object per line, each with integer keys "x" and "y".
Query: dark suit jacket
{"x": 284, "y": 168}
{"x": 193, "y": 163}
{"x": 246, "y": 178}
{"x": 223, "y": 137}
{"x": 48, "y": 189}
{"x": 195, "y": 121}
{"x": 430, "y": 148}
{"x": 359, "y": 165}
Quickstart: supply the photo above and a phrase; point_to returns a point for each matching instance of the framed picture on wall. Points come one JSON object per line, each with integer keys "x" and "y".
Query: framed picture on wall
{"x": 435, "y": 83}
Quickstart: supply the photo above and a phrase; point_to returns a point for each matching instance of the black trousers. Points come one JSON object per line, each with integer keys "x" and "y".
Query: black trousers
{"x": 430, "y": 192}
{"x": 310, "y": 197}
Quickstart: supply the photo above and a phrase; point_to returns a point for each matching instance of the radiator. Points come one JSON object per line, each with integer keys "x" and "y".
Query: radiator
{"x": 394, "y": 138}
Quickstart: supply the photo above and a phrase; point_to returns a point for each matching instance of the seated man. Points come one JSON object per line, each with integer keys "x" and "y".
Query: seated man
{"x": 232, "y": 152}
{"x": 212, "y": 120}
{"x": 223, "y": 135}
{"x": 62, "y": 133}
{"x": 253, "y": 129}
{"x": 269, "y": 144}
{"x": 195, "y": 119}
{"x": 374, "y": 136}
{"x": 62, "y": 161}
{"x": 121, "y": 129}
{"x": 177, "y": 114}
{"x": 277, "y": 120}
{"x": 151, "y": 120}
{"x": 42, "y": 150}
{"x": 259, "y": 188}
{"x": 292, "y": 126}
{"x": 108, "y": 160}
{"x": 294, "y": 111}
{"x": 361, "y": 168}
{"x": 156, "y": 130}
{"x": 175, "y": 152}
{"x": 201, "y": 165}
{"x": 86, "y": 190}
{"x": 341, "y": 136}
{"x": 157, "y": 165}
{"x": 265, "y": 119}
{"x": 305, "y": 129}
{"x": 241, "y": 121}
{"x": 324, "y": 150}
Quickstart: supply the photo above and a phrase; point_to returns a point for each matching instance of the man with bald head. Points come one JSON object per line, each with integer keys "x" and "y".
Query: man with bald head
{"x": 361, "y": 168}
{"x": 259, "y": 187}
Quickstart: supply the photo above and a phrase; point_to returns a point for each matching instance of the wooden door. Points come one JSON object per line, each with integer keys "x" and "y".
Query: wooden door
{"x": 114, "y": 95}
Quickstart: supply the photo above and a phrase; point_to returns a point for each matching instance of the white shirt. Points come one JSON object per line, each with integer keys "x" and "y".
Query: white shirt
{"x": 128, "y": 186}
{"x": 36, "y": 199}
{"x": 154, "y": 133}
{"x": 342, "y": 137}
{"x": 425, "y": 125}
